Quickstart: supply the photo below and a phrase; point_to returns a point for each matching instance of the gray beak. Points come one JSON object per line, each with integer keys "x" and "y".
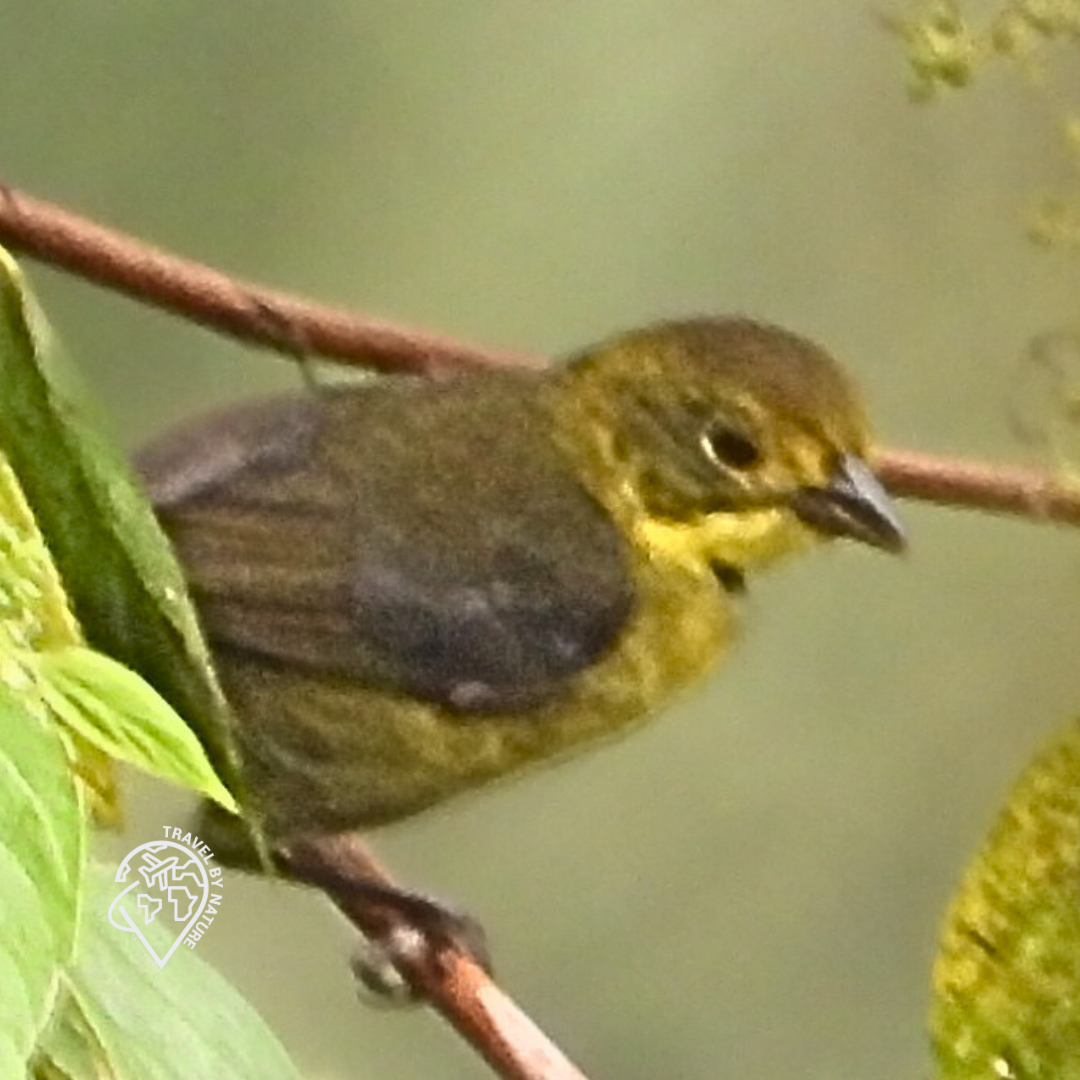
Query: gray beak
{"x": 852, "y": 504}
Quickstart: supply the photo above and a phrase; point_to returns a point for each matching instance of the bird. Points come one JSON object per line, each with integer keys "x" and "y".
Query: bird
{"x": 413, "y": 587}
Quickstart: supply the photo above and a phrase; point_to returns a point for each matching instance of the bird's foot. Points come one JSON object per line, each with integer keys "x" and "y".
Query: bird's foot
{"x": 424, "y": 927}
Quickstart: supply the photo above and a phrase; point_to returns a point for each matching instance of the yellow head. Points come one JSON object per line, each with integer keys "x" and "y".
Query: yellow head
{"x": 723, "y": 442}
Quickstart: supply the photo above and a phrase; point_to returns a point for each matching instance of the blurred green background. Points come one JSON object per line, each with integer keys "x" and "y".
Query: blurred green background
{"x": 752, "y": 886}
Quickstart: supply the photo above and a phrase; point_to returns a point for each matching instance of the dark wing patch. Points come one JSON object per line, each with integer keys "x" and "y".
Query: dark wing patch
{"x": 496, "y": 632}
{"x": 420, "y": 538}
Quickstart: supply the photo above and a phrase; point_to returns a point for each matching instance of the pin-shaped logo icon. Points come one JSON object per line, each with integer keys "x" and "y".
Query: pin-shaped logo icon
{"x": 167, "y": 887}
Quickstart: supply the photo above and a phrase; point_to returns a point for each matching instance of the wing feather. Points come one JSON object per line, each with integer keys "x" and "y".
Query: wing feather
{"x": 422, "y": 538}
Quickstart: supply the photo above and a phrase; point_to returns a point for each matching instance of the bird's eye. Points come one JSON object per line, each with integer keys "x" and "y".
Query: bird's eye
{"x": 729, "y": 447}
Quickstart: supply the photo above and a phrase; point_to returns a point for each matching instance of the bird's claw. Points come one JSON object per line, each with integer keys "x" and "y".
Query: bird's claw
{"x": 426, "y": 928}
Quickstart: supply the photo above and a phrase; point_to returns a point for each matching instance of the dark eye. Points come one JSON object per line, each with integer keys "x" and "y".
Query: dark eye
{"x": 729, "y": 447}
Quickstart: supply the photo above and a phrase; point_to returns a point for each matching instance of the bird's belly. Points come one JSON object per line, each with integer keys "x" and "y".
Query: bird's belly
{"x": 326, "y": 755}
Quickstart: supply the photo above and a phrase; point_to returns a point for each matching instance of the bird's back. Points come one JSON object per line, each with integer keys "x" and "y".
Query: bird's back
{"x": 425, "y": 538}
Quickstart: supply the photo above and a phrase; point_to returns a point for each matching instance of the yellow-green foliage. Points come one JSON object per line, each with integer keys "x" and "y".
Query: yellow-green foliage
{"x": 946, "y": 48}
{"x": 1007, "y": 976}
{"x": 33, "y": 610}
{"x": 34, "y": 616}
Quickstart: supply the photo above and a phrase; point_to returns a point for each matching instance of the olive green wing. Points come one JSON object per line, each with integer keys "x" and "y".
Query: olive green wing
{"x": 422, "y": 538}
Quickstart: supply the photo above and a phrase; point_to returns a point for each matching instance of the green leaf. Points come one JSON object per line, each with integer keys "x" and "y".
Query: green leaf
{"x": 115, "y": 710}
{"x": 42, "y": 839}
{"x": 117, "y": 567}
{"x": 70, "y": 1050}
{"x": 34, "y": 615}
{"x": 34, "y": 612}
{"x": 128, "y": 1019}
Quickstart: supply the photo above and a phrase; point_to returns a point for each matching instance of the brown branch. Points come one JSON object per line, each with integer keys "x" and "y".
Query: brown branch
{"x": 999, "y": 489}
{"x": 242, "y": 310}
{"x": 447, "y": 978}
{"x": 295, "y": 326}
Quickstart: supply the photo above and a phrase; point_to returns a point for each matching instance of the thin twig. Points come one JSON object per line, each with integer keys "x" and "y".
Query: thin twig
{"x": 249, "y": 312}
{"x": 999, "y": 489}
{"x": 446, "y": 977}
{"x": 291, "y": 325}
